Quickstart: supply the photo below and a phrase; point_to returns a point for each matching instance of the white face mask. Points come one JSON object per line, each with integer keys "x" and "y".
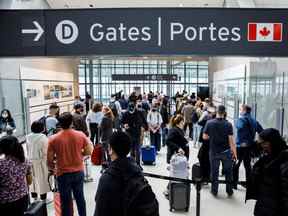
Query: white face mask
{"x": 4, "y": 115}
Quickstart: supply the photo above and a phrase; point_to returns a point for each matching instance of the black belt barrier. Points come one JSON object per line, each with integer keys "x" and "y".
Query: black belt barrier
{"x": 196, "y": 182}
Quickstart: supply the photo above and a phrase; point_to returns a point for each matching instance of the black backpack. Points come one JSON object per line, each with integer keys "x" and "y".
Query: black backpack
{"x": 42, "y": 120}
{"x": 139, "y": 199}
{"x": 113, "y": 108}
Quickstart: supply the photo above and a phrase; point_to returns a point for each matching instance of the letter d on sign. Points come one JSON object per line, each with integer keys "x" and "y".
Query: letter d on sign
{"x": 66, "y": 32}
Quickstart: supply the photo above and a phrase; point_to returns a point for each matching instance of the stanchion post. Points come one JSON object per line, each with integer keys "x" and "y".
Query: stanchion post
{"x": 198, "y": 197}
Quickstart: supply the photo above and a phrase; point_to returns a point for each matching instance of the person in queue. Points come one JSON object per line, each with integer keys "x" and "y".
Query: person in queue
{"x": 93, "y": 121}
{"x": 37, "y": 145}
{"x": 15, "y": 176}
{"x": 154, "y": 120}
{"x": 7, "y": 123}
{"x": 164, "y": 111}
{"x": 106, "y": 130}
{"x": 114, "y": 183}
{"x": 133, "y": 120}
{"x": 247, "y": 127}
{"x": 219, "y": 132}
{"x": 268, "y": 182}
{"x": 79, "y": 123}
{"x": 187, "y": 112}
{"x": 51, "y": 120}
{"x": 69, "y": 147}
{"x": 176, "y": 141}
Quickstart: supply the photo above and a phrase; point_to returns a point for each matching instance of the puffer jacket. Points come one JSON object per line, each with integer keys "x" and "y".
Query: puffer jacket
{"x": 268, "y": 185}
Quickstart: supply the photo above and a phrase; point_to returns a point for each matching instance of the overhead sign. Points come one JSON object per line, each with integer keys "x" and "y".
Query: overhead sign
{"x": 144, "y": 31}
{"x": 144, "y": 77}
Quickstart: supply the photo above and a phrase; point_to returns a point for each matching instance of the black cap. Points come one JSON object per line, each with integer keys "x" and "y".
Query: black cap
{"x": 78, "y": 106}
{"x": 221, "y": 109}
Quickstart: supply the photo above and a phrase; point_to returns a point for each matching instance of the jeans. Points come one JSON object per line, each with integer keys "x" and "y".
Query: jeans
{"x": 135, "y": 148}
{"x": 164, "y": 135}
{"x": 190, "y": 126}
{"x": 105, "y": 153}
{"x": 68, "y": 183}
{"x": 243, "y": 154}
{"x": 155, "y": 139}
{"x": 94, "y": 133}
{"x": 226, "y": 159}
{"x": 196, "y": 132}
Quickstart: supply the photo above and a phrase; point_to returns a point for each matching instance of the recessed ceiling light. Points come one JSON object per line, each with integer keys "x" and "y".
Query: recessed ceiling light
{"x": 181, "y": 5}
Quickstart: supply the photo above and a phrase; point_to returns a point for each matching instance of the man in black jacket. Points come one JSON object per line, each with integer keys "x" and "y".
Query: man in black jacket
{"x": 111, "y": 196}
{"x": 133, "y": 120}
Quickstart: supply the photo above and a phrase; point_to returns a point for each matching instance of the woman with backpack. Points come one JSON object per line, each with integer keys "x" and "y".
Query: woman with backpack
{"x": 268, "y": 182}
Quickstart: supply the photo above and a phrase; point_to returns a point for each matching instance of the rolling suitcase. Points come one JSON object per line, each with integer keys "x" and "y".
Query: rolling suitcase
{"x": 37, "y": 208}
{"x": 179, "y": 196}
{"x": 148, "y": 155}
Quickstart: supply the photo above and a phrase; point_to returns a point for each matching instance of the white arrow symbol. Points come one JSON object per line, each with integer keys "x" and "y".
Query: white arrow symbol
{"x": 39, "y": 31}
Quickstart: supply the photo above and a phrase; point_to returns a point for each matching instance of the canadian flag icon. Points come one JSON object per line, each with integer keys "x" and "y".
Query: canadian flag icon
{"x": 270, "y": 32}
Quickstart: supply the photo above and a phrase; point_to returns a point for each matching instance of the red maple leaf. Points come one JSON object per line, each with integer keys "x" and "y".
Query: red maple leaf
{"x": 264, "y": 32}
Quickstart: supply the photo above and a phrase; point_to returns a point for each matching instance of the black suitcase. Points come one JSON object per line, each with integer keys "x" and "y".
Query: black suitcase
{"x": 179, "y": 196}
{"x": 196, "y": 172}
{"x": 37, "y": 208}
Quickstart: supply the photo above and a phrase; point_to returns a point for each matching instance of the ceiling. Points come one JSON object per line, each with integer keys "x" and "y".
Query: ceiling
{"x": 166, "y": 3}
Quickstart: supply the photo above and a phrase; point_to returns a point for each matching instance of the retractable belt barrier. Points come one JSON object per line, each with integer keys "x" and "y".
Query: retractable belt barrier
{"x": 196, "y": 182}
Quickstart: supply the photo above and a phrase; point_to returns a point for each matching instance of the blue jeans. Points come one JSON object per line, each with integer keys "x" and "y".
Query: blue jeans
{"x": 164, "y": 134}
{"x": 196, "y": 132}
{"x": 68, "y": 183}
{"x": 226, "y": 159}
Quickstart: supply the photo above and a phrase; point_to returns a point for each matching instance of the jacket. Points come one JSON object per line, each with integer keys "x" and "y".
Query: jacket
{"x": 246, "y": 129}
{"x": 111, "y": 187}
{"x": 268, "y": 185}
{"x": 187, "y": 112}
{"x": 4, "y": 123}
{"x": 135, "y": 120}
{"x": 165, "y": 115}
{"x": 106, "y": 129}
{"x": 175, "y": 141}
{"x": 79, "y": 123}
{"x": 37, "y": 145}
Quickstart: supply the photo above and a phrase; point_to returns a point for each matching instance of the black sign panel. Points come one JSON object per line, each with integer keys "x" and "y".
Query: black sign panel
{"x": 144, "y": 77}
{"x": 146, "y": 31}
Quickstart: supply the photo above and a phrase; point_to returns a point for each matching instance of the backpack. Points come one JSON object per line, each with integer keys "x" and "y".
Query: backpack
{"x": 113, "y": 108}
{"x": 42, "y": 120}
{"x": 179, "y": 166}
{"x": 139, "y": 199}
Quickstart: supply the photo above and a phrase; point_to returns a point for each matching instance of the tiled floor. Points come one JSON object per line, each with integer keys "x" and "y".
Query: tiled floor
{"x": 210, "y": 206}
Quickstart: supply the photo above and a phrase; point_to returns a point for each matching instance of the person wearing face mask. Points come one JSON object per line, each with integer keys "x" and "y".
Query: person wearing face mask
{"x": 176, "y": 142}
{"x": 133, "y": 120}
{"x": 79, "y": 122}
{"x": 268, "y": 182}
{"x": 7, "y": 123}
{"x": 154, "y": 120}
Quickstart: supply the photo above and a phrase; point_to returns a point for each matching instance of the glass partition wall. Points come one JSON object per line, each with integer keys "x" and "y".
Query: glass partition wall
{"x": 95, "y": 77}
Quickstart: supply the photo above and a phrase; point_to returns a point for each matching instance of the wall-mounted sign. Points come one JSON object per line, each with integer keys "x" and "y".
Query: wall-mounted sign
{"x": 144, "y": 31}
{"x": 144, "y": 77}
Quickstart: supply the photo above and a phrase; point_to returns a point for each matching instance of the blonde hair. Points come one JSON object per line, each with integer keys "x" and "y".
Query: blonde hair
{"x": 175, "y": 120}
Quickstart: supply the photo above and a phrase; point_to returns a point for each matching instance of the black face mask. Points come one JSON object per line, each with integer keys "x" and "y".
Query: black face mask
{"x": 154, "y": 110}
